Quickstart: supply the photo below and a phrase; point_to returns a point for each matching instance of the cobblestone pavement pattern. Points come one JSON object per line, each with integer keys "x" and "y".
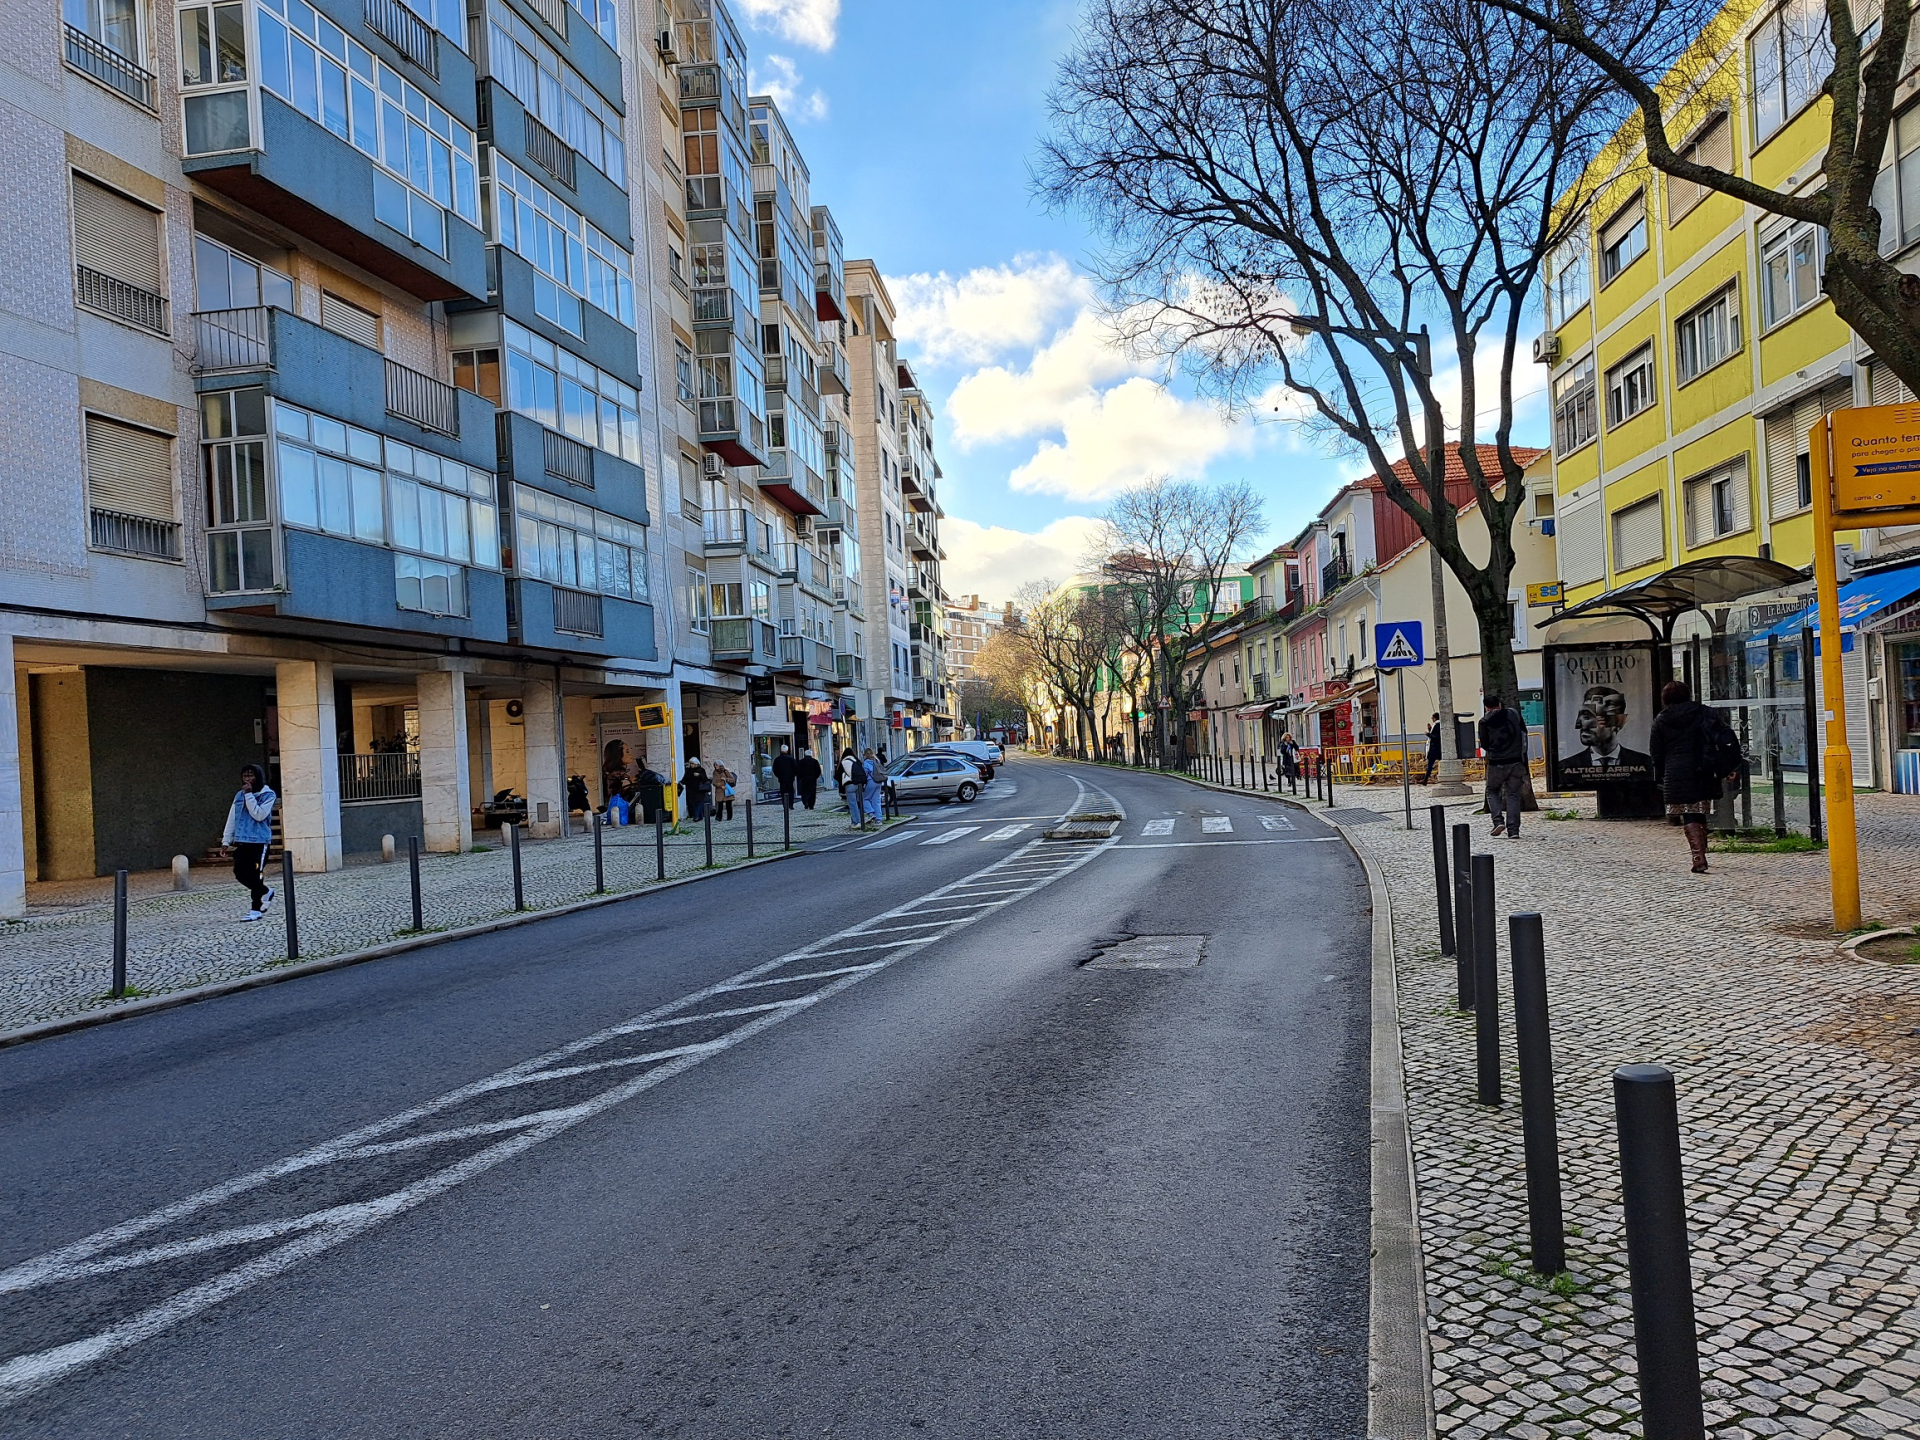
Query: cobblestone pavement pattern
{"x": 58, "y": 960}
{"x": 1798, "y": 1071}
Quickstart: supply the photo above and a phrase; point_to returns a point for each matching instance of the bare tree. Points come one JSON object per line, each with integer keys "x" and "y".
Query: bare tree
{"x": 1676, "y": 67}
{"x": 1359, "y": 171}
{"x": 1070, "y": 635}
{"x": 1165, "y": 548}
{"x": 1002, "y": 668}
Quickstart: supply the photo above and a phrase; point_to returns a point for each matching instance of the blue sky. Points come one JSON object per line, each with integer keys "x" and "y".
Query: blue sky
{"x": 920, "y": 120}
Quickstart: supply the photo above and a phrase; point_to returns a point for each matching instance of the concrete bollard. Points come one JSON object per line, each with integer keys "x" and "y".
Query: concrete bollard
{"x": 386, "y": 849}
{"x": 181, "y": 877}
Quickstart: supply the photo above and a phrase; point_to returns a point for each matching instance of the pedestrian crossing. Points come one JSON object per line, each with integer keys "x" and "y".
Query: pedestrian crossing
{"x": 923, "y": 833}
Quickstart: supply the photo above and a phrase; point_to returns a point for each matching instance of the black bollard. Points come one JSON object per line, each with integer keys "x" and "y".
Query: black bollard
{"x": 660, "y": 844}
{"x": 749, "y": 805}
{"x": 1442, "y": 890}
{"x": 599, "y": 853}
{"x": 1463, "y": 914}
{"x": 413, "y": 877}
{"x": 1539, "y": 1126}
{"x": 119, "y": 934}
{"x": 292, "y": 910}
{"x": 786, "y": 826}
{"x": 707, "y": 819}
{"x": 1486, "y": 982}
{"x": 513, "y": 845}
{"x": 1664, "y": 1342}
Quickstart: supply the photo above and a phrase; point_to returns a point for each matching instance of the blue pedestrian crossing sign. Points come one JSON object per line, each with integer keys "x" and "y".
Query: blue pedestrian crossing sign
{"x": 1402, "y": 644}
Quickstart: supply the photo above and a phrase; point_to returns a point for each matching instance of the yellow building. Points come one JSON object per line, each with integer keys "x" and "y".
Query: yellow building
{"x": 1691, "y": 347}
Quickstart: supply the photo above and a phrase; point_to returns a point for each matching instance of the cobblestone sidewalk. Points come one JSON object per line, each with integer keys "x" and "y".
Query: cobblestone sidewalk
{"x": 58, "y": 960}
{"x": 1798, "y": 1068}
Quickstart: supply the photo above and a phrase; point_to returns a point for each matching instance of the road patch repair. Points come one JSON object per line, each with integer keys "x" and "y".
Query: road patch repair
{"x": 1151, "y": 952}
{"x": 1087, "y": 825}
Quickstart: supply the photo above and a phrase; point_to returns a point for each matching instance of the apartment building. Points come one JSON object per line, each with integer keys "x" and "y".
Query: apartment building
{"x": 891, "y": 419}
{"x": 970, "y": 621}
{"x": 1690, "y": 350}
{"x": 327, "y": 419}
{"x": 331, "y": 338}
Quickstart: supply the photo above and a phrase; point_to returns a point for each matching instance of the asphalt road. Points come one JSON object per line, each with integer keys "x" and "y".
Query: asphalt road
{"x": 850, "y": 1145}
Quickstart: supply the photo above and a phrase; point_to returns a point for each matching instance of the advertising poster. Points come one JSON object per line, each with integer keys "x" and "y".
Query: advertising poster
{"x": 1601, "y": 701}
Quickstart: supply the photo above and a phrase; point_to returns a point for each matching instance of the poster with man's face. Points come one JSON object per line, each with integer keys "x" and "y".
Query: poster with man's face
{"x": 1600, "y": 705}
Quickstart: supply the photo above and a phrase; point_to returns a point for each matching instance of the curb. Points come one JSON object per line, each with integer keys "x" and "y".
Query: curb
{"x": 88, "y": 1019}
{"x": 1399, "y": 1360}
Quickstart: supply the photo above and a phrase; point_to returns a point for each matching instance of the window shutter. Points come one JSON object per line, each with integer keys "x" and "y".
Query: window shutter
{"x": 113, "y": 235}
{"x": 129, "y": 470}
{"x": 1742, "y": 495}
{"x": 1698, "y": 495}
{"x": 1639, "y": 536}
{"x": 1580, "y": 534}
{"x": 343, "y": 317}
{"x": 1886, "y": 388}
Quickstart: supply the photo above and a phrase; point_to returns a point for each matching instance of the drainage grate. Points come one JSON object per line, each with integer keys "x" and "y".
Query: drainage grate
{"x": 1075, "y": 828}
{"x": 1152, "y": 952}
{"x": 1356, "y": 815}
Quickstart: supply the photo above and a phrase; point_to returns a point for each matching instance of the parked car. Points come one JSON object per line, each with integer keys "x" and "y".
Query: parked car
{"x": 924, "y": 776}
{"x": 983, "y": 753}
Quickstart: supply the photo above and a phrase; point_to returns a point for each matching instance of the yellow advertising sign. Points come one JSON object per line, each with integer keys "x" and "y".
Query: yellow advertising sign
{"x": 1876, "y": 457}
{"x": 651, "y": 717}
{"x": 1551, "y": 592}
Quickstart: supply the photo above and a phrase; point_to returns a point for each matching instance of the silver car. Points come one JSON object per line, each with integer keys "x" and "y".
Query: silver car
{"x": 933, "y": 777}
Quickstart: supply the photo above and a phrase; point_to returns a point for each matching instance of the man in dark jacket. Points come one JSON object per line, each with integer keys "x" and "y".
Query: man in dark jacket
{"x": 1433, "y": 748}
{"x": 783, "y": 771}
{"x": 1503, "y": 740}
{"x": 1694, "y": 750}
{"x": 806, "y": 777}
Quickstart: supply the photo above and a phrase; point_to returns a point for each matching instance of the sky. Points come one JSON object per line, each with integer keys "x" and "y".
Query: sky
{"x": 921, "y": 122}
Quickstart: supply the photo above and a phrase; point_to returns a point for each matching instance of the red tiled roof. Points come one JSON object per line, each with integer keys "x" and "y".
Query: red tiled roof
{"x": 1524, "y": 455}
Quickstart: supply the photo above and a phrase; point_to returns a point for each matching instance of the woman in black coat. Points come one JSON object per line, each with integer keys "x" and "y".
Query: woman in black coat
{"x": 697, "y": 785}
{"x": 1691, "y": 747}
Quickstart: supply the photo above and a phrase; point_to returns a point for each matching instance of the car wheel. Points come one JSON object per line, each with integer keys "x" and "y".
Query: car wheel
{"x": 966, "y": 792}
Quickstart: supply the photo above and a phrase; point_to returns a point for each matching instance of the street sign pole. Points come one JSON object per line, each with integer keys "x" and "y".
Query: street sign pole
{"x": 1406, "y": 755}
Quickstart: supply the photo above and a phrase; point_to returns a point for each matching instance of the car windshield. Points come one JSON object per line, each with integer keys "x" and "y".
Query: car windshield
{"x": 897, "y": 767}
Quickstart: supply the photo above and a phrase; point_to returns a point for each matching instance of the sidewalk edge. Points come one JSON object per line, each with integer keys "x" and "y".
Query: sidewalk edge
{"x": 88, "y": 1019}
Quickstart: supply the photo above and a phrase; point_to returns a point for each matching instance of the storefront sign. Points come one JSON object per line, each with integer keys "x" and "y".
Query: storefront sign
{"x": 1601, "y": 701}
{"x": 760, "y": 690}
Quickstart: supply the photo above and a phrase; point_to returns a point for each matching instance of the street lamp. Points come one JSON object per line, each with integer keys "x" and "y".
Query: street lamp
{"x": 1450, "y": 778}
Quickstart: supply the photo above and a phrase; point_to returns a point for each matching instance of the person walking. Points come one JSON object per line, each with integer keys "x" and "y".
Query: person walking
{"x": 853, "y": 784}
{"x": 724, "y": 783}
{"x": 806, "y": 777}
{"x": 783, "y": 771}
{"x": 697, "y": 785}
{"x": 1693, "y": 749}
{"x": 1290, "y": 762}
{"x": 1433, "y": 749}
{"x": 874, "y": 770}
{"x": 249, "y": 831}
{"x": 1503, "y": 739}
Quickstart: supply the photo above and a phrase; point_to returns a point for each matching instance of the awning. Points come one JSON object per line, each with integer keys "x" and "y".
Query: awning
{"x": 1860, "y": 598}
{"x": 1661, "y": 599}
{"x": 1248, "y": 712}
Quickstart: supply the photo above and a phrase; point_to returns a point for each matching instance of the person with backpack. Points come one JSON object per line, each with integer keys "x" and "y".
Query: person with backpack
{"x": 872, "y": 797}
{"x": 853, "y": 784}
{"x": 249, "y": 831}
{"x": 1694, "y": 750}
{"x": 1503, "y": 740}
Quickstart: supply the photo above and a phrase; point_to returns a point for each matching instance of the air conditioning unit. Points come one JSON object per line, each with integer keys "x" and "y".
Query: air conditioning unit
{"x": 802, "y": 526}
{"x": 1546, "y": 349}
{"x": 713, "y": 467}
{"x": 665, "y": 45}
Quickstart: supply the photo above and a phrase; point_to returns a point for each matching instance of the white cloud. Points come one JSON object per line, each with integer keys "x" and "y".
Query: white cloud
{"x": 1126, "y": 435}
{"x": 988, "y": 312}
{"x": 994, "y": 561}
{"x": 998, "y": 403}
{"x": 782, "y": 81}
{"x": 812, "y": 23}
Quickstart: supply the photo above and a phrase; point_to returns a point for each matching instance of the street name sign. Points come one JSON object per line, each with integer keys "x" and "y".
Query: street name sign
{"x": 1402, "y": 644}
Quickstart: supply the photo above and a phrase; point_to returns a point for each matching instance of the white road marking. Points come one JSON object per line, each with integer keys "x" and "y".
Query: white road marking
{"x": 810, "y": 975}
{"x": 1215, "y": 825}
{"x": 953, "y": 834}
{"x": 1158, "y": 827}
{"x": 317, "y": 1231}
{"x": 1210, "y": 844}
{"x": 1275, "y": 822}
{"x": 1005, "y": 832}
{"x": 893, "y": 839}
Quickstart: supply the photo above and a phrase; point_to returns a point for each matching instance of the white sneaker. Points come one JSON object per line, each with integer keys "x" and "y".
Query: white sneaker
{"x": 252, "y": 915}
{"x": 271, "y": 892}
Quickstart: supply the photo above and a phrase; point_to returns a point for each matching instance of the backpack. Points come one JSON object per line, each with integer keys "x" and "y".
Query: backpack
{"x": 1720, "y": 747}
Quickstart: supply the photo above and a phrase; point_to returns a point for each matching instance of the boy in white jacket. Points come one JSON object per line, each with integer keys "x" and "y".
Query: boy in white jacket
{"x": 249, "y": 831}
